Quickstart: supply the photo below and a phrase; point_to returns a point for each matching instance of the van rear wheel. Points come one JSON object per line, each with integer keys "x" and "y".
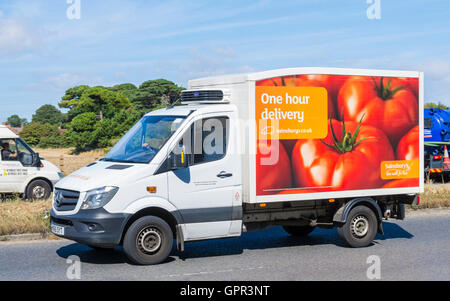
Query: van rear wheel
{"x": 360, "y": 228}
{"x": 38, "y": 190}
{"x": 148, "y": 241}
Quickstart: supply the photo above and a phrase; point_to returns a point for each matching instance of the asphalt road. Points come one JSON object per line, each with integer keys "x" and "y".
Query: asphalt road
{"x": 417, "y": 248}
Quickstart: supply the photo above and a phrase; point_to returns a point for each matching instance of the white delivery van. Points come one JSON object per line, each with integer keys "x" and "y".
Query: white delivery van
{"x": 22, "y": 170}
{"x": 299, "y": 148}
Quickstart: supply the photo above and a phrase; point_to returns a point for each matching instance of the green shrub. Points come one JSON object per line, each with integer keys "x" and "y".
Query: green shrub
{"x": 34, "y": 132}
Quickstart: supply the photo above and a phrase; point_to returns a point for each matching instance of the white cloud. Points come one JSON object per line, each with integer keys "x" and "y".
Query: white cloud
{"x": 16, "y": 37}
{"x": 62, "y": 82}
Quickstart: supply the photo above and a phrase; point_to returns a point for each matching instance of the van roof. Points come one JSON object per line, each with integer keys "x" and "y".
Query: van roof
{"x": 6, "y": 133}
{"x": 254, "y": 76}
{"x": 186, "y": 109}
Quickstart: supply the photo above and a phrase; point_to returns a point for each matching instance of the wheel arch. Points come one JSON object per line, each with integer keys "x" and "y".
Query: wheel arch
{"x": 341, "y": 215}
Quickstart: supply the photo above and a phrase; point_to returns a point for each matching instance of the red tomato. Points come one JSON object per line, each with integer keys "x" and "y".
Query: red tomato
{"x": 276, "y": 81}
{"x": 411, "y": 84}
{"x": 380, "y": 102}
{"x": 289, "y": 145}
{"x": 272, "y": 175}
{"x": 299, "y": 82}
{"x": 402, "y": 183}
{"x": 408, "y": 147}
{"x": 343, "y": 164}
{"x": 331, "y": 82}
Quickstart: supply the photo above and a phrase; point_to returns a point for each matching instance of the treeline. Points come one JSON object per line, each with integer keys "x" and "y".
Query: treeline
{"x": 432, "y": 105}
{"x": 97, "y": 116}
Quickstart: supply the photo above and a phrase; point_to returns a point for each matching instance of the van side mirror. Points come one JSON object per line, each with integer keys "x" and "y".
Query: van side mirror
{"x": 36, "y": 161}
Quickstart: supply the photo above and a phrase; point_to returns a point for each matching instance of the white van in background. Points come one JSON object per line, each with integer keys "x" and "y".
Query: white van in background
{"x": 21, "y": 169}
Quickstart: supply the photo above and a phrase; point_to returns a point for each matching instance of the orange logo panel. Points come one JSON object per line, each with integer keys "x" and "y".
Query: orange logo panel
{"x": 291, "y": 112}
{"x": 401, "y": 169}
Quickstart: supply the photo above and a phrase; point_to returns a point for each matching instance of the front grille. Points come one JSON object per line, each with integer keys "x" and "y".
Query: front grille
{"x": 65, "y": 200}
{"x": 201, "y": 95}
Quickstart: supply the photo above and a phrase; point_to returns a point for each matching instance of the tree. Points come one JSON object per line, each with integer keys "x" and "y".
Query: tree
{"x": 16, "y": 121}
{"x": 48, "y": 114}
{"x": 71, "y": 99}
{"x": 34, "y": 132}
{"x": 83, "y": 99}
{"x": 129, "y": 90}
{"x": 433, "y": 105}
{"x": 81, "y": 131}
{"x": 156, "y": 92}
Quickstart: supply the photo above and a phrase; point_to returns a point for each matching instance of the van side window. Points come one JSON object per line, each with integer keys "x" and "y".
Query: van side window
{"x": 210, "y": 139}
{"x": 8, "y": 150}
{"x": 24, "y": 154}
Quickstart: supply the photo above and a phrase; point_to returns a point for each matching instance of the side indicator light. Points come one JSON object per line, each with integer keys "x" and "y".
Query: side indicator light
{"x": 151, "y": 189}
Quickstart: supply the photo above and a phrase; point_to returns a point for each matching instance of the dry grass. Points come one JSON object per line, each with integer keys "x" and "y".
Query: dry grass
{"x": 435, "y": 196}
{"x": 67, "y": 161}
{"x": 18, "y": 217}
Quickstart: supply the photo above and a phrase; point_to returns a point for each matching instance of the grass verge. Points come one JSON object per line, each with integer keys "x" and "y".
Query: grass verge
{"x": 19, "y": 217}
{"x": 435, "y": 196}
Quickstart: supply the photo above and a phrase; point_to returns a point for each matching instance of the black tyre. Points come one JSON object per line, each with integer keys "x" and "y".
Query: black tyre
{"x": 360, "y": 228}
{"x": 298, "y": 230}
{"x": 148, "y": 241}
{"x": 38, "y": 190}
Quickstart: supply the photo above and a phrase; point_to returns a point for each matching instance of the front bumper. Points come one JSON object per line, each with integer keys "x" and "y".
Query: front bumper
{"x": 95, "y": 227}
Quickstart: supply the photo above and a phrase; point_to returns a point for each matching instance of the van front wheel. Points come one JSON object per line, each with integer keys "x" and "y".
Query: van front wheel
{"x": 148, "y": 241}
{"x": 38, "y": 190}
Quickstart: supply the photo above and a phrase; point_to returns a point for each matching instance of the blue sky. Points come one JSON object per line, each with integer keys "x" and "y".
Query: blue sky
{"x": 43, "y": 53}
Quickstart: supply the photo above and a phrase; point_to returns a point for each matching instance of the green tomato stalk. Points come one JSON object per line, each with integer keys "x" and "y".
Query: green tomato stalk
{"x": 348, "y": 142}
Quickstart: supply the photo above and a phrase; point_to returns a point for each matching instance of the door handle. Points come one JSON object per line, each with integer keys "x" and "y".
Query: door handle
{"x": 224, "y": 174}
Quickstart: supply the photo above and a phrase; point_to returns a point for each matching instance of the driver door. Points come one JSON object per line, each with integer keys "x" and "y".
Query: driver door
{"x": 13, "y": 172}
{"x": 205, "y": 191}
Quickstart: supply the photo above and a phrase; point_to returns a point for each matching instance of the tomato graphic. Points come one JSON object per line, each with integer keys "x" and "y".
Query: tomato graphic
{"x": 385, "y": 103}
{"x": 273, "y": 167}
{"x": 348, "y": 158}
{"x": 331, "y": 82}
{"x": 277, "y": 81}
{"x": 299, "y": 82}
{"x": 289, "y": 145}
{"x": 411, "y": 84}
{"x": 408, "y": 147}
{"x": 402, "y": 183}
{"x": 300, "y": 190}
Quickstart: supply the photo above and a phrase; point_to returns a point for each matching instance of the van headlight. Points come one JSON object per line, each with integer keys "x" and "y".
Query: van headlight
{"x": 99, "y": 197}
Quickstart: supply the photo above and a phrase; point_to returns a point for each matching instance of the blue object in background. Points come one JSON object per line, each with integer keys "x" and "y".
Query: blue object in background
{"x": 436, "y": 129}
{"x": 437, "y": 125}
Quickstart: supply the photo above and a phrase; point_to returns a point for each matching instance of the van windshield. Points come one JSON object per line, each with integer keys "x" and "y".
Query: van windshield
{"x": 144, "y": 139}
